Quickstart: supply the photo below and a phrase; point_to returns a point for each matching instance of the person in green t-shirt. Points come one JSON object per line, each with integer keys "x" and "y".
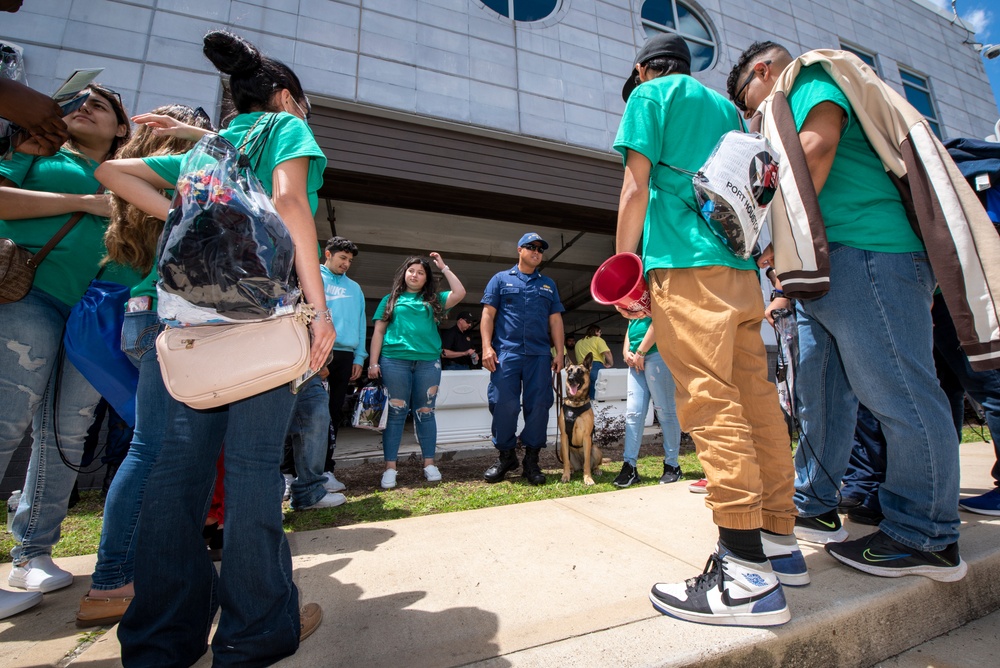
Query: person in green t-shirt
{"x": 40, "y": 196}
{"x": 869, "y": 337}
{"x": 707, "y": 309}
{"x": 131, "y": 241}
{"x": 260, "y": 615}
{"x": 406, "y": 353}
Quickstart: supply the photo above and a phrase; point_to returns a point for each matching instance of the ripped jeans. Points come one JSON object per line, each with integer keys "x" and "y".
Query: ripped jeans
{"x": 40, "y": 387}
{"x": 654, "y": 383}
{"x": 411, "y": 385}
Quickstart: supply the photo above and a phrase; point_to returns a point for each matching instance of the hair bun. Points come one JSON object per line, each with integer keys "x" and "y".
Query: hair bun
{"x": 231, "y": 54}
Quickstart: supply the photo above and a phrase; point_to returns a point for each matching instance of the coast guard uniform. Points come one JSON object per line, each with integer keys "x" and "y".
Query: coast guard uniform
{"x": 521, "y": 339}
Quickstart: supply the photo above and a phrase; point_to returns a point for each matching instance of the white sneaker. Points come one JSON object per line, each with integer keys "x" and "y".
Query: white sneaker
{"x": 331, "y": 500}
{"x": 432, "y": 473}
{"x": 289, "y": 479}
{"x": 730, "y": 592}
{"x": 389, "y": 479}
{"x": 13, "y": 602}
{"x": 39, "y": 574}
{"x": 332, "y": 484}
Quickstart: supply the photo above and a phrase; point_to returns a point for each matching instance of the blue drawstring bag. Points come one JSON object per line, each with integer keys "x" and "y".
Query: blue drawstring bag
{"x": 93, "y": 343}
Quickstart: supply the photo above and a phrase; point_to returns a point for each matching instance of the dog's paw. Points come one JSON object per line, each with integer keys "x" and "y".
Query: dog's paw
{"x": 587, "y": 480}
{"x": 565, "y": 477}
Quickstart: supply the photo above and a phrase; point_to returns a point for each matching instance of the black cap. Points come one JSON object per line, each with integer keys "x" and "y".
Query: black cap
{"x": 665, "y": 44}
{"x": 467, "y": 317}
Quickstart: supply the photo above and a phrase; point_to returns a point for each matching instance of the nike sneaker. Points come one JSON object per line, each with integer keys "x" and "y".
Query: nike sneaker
{"x": 879, "y": 554}
{"x": 730, "y": 592}
{"x": 786, "y": 559}
{"x": 984, "y": 504}
{"x": 822, "y": 529}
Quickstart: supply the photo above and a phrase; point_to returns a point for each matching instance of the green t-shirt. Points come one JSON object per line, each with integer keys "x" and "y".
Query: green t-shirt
{"x": 69, "y": 267}
{"x": 413, "y": 333}
{"x": 289, "y": 138}
{"x": 675, "y": 120}
{"x": 860, "y": 205}
{"x": 594, "y": 345}
{"x": 636, "y": 330}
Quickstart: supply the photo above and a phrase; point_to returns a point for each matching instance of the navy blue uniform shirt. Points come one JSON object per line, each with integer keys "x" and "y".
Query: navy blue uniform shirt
{"x": 524, "y": 303}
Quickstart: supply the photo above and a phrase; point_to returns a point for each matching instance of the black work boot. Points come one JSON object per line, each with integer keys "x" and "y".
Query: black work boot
{"x": 530, "y": 468}
{"x": 507, "y": 461}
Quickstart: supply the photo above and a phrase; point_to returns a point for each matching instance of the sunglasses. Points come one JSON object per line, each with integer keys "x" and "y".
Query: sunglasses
{"x": 739, "y": 98}
{"x": 537, "y": 248}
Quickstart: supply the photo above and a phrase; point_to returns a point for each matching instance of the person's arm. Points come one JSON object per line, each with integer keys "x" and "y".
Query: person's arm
{"x": 374, "y": 371}
{"x": 359, "y": 350}
{"x": 20, "y": 204}
{"x": 486, "y": 330}
{"x": 36, "y": 112}
{"x": 627, "y": 353}
{"x": 640, "y": 353}
{"x": 609, "y": 360}
{"x": 136, "y": 183}
{"x": 820, "y": 136}
{"x": 169, "y": 126}
{"x": 633, "y": 202}
{"x": 291, "y": 201}
{"x": 455, "y": 285}
{"x": 558, "y": 335}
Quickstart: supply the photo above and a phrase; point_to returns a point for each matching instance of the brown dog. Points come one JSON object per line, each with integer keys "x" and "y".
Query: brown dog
{"x": 576, "y": 425}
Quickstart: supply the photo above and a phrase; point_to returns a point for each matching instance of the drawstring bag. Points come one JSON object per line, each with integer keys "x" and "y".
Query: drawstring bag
{"x": 93, "y": 342}
{"x": 372, "y": 409}
{"x": 734, "y": 189}
{"x": 225, "y": 256}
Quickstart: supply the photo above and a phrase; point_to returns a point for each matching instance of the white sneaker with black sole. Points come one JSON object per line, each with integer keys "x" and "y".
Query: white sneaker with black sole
{"x": 730, "y": 592}
{"x": 786, "y": 559}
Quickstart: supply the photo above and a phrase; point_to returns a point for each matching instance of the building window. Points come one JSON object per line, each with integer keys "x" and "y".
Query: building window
{"x": 523, "y": 10}
{"x": 918, "y": 93}
{"x": 866, "y": 57}
{"x": 660, "y": 16}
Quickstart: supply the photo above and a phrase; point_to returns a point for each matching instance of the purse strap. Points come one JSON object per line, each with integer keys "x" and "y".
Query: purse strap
{"x": 37, "y": 258}
{"x": 258, "y": 142}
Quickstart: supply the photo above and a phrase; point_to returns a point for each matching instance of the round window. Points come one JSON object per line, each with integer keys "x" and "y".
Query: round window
{"x": 660, "y": 16}
{"x": 523, "y": 10}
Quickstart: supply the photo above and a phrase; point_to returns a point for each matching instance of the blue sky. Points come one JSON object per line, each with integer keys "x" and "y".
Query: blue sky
{"x": 984, "y": 16}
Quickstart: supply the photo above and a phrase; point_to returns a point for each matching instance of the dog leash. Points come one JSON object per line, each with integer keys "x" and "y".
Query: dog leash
{"x": 557, "y": 385}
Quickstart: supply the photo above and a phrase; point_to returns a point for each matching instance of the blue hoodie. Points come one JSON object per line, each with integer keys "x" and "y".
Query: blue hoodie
{"x": 347, "y": 308}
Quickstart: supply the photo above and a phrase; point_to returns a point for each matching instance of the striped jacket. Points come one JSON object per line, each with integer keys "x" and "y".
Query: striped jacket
{"x": 962, "y": 245}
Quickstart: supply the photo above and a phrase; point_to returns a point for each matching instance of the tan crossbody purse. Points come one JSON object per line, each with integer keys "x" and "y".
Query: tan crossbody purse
{"x": 213, "y": 365}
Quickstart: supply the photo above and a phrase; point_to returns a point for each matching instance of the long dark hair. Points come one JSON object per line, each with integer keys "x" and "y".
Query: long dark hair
{"x": 429, "y": 293}
{"x": 253, "y": 77}
{"x": 114, "y": 100}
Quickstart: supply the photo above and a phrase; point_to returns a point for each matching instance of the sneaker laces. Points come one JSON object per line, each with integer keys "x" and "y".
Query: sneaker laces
{"x": 712, "y": 576}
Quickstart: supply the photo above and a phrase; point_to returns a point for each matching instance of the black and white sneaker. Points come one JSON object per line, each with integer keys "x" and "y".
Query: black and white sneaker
{"x": 730, "y": 592}
{"x": 786, "y": 559}
{"x": 627, "y": 476}
{"x": 879, "y": 554}
{"x": 822, "y": 529}
{"x": 670, "y": 474}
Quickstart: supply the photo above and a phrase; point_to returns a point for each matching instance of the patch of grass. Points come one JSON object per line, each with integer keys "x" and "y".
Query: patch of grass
{"x": 81, "y": 531}
{"x": 975, "y": 434}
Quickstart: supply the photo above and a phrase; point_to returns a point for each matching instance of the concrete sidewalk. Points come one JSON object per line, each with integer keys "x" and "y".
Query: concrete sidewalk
{"x": 565, "y": 582}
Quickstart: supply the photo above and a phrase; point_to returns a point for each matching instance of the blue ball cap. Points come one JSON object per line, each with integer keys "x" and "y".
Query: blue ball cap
{"x": 532, "y": 237}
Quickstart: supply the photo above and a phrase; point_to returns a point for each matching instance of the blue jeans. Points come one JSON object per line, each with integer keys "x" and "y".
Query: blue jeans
{"x": 517, "y": 374}
{"x": 41, "y": 388}
{"x": 866, "y": 470}
{"x": 116, "y": 553}
{"x": 177, "y": 587}
{"x": 309, "y": 432}
{"x": 653, "y": 382}
{"x": 411, "y": 385}
{"x": 983, "y": 386}
{"x": 595, "y": 369}
{"x": 870, "y": 339}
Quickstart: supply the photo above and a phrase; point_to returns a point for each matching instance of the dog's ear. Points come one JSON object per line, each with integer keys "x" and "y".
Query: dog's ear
{"x": 588, "y": 360}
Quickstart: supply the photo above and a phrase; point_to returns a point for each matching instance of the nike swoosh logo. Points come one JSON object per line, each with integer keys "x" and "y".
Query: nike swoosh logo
{"x": 829, "y": 525}
{"x": 729, "y": 601}
{"x": 871, "y": 556}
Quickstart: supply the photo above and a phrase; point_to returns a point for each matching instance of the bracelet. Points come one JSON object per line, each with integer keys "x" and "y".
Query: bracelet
{"x": 374, "y": 366}
{"x": 445, "y": 268}
{"x": 325, "y": 315}
{"x": 640, "y": 353}
{"x": 777, "y": 294}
